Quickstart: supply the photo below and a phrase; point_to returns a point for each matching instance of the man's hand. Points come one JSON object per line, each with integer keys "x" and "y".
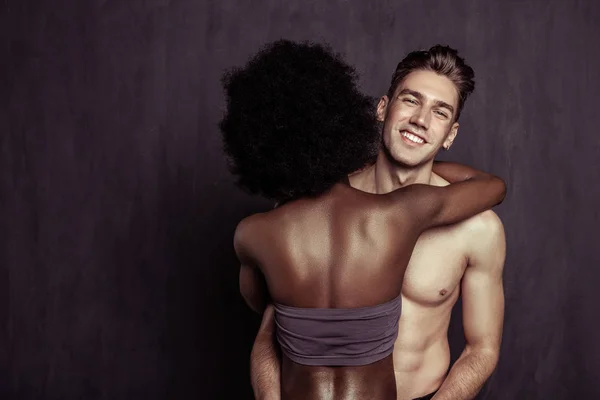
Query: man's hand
{"x": 265, "y": 371}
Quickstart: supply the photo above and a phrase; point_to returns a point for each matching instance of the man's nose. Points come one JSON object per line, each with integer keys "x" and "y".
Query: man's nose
{"x": 420, "y": 118}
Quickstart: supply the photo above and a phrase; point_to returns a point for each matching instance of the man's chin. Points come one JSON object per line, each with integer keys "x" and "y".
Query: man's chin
{"x": 408, "y": 162}
{"x": 405, "y": 158}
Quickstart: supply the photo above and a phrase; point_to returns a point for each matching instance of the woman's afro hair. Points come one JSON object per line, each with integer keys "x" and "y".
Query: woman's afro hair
{"x": 296, "y": 122}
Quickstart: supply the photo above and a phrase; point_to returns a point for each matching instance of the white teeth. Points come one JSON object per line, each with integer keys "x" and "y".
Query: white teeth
{"x": 412, "y": 137}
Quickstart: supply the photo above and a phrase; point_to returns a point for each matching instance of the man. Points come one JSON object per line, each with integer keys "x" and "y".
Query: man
{"x": 420, "y": 116}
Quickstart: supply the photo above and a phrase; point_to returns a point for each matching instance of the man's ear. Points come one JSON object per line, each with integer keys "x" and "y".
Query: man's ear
{"x": 382, "y": 108}
{"x": 451, "y": 136}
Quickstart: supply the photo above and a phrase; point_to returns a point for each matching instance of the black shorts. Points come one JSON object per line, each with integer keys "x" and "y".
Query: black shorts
{"x": 428, "y": 397}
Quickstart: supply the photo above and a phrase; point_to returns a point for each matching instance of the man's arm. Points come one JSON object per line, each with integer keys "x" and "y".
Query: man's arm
{"x": 265, "y": 361}
{"x": 483, "y": 311}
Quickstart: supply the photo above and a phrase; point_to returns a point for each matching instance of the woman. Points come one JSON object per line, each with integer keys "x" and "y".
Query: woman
{"x": 331, "y": 258}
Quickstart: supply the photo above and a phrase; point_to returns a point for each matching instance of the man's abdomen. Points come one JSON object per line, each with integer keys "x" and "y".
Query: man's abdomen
{"x": 420, "y": 372}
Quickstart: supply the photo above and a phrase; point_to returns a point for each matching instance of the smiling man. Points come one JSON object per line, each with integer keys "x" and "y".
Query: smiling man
{"x": 420, "y": 116}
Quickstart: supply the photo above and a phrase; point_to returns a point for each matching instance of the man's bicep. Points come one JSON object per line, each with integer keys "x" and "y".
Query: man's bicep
{"x": 482, "y": 286}
{"x": 483, "y": 309}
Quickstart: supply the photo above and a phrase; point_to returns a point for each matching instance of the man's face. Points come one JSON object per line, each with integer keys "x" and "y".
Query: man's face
{"x": 419, "y": 118}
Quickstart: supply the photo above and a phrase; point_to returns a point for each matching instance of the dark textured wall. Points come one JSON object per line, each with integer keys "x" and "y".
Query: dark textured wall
{"x": 117, "y": 277}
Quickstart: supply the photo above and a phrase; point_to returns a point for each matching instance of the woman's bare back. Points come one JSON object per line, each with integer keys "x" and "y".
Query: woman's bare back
{"x": 372, "y": 381}
{"x": 334, "y": 251}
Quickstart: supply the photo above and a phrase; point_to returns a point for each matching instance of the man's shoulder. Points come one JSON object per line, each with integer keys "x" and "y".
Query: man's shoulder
{"x": 485, "y": 238}
{"x": 437, "y": 180}
{"x": 485, "y": 224}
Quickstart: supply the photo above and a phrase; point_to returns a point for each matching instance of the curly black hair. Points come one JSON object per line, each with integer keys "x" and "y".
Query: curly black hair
{"x": 296, "y": 122}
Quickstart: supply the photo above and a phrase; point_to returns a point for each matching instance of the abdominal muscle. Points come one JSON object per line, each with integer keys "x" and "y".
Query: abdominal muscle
{"x": 421, "y": 352}
{"x": 421, "y": 372}
{"x": 372, "y": 381}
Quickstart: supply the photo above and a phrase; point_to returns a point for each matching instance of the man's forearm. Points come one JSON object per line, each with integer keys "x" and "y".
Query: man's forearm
{"x": 468, "y": 375}
{"x": 265, "y": 370}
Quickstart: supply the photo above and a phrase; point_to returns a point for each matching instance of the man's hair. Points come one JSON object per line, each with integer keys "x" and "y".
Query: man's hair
{"x": 296, "y": 122}
{"x": 442, "y": 60}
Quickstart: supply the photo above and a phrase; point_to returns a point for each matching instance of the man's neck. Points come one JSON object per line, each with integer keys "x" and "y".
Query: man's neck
{"x": 385, "y": 176}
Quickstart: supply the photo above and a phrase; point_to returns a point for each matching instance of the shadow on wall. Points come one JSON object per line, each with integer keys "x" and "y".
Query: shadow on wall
{"x": 210, "y": 328}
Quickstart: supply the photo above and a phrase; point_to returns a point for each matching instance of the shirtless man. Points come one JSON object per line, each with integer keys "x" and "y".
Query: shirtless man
{"x": 420, "y": 116}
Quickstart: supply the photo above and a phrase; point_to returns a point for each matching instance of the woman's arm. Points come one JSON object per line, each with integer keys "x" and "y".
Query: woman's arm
{"x": 253, "y": 287}
{"x": 470, "y": 192}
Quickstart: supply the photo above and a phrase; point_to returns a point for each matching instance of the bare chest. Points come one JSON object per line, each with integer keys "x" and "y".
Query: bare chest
{"x": 436, "y": 267}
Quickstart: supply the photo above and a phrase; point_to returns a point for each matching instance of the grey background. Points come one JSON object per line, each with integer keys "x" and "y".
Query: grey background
{"x": 117, "y": 277}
